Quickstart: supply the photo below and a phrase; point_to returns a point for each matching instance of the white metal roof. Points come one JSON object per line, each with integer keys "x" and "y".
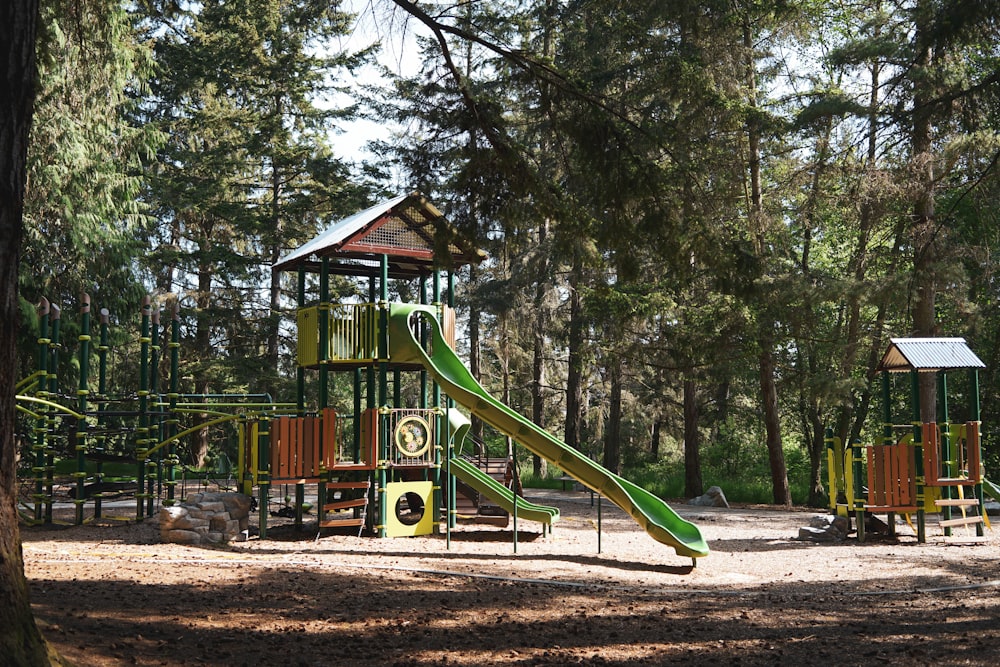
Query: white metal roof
{"x": 928, "y": 354}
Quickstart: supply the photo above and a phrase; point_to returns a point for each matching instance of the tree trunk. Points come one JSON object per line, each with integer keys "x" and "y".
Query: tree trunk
{"x": 613, "y": 432}
{"x": 274, "y": 300}
{"x": 20, "y": 641}
{"x": 924, "y": 234}
{"x": 693, "y": 485}
{"x": 768, "y": 388}
{"x": 654, "y": 440}
{"x": 538, "y": 354}
{"x": 574, "y": 374}
{"x": 817, "y": 453}
{"x": 475, "y": 355}
{"x": 772, "y": 424}
{"x": 203, "y": 345}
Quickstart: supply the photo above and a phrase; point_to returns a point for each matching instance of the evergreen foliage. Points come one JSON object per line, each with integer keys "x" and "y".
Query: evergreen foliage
{"x": 704, "y": 220}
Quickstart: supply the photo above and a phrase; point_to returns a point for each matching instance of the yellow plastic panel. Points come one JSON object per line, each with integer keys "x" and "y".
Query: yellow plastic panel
{"x": 308, "y": 324}
{"x": 395, "y": 526}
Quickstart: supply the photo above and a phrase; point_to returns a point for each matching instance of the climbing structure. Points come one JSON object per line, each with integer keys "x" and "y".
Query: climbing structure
{"x": 96, "y": 442}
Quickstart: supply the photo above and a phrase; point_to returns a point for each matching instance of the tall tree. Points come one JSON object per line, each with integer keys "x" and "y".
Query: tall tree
{"x": 247, "y": 171}
{"x": 20, "y": 641}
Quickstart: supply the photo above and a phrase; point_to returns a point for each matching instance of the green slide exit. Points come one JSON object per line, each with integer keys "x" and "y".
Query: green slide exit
{"x": 500, "y": 494}
{"x": 657, "y": 518}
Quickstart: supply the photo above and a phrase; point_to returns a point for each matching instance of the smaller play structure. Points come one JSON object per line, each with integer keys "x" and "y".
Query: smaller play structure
{"x": 920, "y": 467}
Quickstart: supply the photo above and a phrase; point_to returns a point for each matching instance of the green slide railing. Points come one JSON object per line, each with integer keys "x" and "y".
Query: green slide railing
{"x": 657, "y": 518}
{"x": 500, "y": 494}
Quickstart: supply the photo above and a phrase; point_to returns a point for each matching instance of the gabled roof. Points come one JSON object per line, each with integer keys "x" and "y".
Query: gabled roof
{"x": 407, "y": 229}
{"x": 928, "y": 354}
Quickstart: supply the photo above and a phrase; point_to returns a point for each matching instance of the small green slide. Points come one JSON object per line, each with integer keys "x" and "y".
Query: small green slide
{"x": 500, "y": 494}
{"x": 991, "y": 489}
{"x": 657, "y": 518}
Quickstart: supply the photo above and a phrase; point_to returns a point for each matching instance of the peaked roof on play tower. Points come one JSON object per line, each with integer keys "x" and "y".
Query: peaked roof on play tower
{"x": 409, "y": 230}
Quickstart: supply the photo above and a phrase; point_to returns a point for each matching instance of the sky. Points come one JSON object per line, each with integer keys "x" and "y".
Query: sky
{"x": 376, "y": 22}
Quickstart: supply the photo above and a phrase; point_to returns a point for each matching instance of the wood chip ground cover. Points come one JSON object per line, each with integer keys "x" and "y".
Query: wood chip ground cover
{"x": 111, "y": 595}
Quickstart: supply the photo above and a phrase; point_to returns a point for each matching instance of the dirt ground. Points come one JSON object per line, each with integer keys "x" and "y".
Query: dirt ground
{"x": 114, "y": 595}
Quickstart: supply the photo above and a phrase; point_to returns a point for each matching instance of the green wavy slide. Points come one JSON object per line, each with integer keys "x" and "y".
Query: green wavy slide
{"x": 500, "y": 494}
{"x": 991, "y": 489}
{"x": 657, "y": 518}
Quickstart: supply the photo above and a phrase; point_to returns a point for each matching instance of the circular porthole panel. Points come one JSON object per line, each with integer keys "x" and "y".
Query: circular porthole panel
{"x": 412, "y": 437}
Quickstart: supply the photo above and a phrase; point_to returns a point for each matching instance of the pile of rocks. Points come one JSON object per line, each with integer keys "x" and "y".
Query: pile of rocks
{"x": 206, "y": 518}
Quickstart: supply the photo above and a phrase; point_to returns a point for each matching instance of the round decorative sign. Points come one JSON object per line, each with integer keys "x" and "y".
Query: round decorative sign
{"x": 412, "y": 436}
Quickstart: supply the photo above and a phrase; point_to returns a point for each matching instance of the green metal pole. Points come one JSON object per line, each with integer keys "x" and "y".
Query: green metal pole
{"x": 81, "y": 394}
{"x": 264, "y": 472}
{"x": 946, "y": 453}
{"x": 383, "y": 371}
{"x": 142, "y": 432}
{"x": 324, "y": 333}
{"x": 976, "y": 417}
{"x": 41, "y": 426}
{"x": 173, "y": 421}
{"x": 450, "y": 405}
{"x": 155, "y": 422}
{"x": 918, "y": 436}
{"x": 300, "y": 372}
{"x": 357, "y": 415}
{"x": 102, "y": 392}
{"x": 53, "y": 376}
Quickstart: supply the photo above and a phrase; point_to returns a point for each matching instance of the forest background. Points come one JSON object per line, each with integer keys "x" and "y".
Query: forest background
{"x": 704, "y": 220}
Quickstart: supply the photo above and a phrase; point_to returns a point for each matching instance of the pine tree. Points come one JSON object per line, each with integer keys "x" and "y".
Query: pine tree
{"x": 247, "y": 172}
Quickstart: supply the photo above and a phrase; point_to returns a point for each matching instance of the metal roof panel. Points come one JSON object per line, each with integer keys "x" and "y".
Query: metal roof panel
{"x": 928, "y": 354}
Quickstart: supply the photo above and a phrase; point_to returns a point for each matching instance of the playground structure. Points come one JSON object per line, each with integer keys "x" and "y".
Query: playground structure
{"x": 399, "y": 457}
{"x": 923, "y": 466}
{"x": 98, "y": 443}
{"x": 390, "y": 463}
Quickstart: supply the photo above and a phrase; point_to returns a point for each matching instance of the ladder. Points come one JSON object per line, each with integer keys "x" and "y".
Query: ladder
{"x": 971, "y": 519}
{"x": 336, "y": 503}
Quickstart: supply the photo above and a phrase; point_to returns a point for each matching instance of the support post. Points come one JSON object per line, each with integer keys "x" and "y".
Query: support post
{"x": 918, "y": 435}
{"x": 976, "y": 417}
{"x": 102, "y": 393}
{"x": 81, "y": 394}
{"x": 53, "y": 390}
{"x": 41, "y": 424}
{"x": 324, "y": 333}
{"x": 947, "y": 456}
{"x": 300, "y": 373}
{"x": 172, "y": 421}
{"x": 142, "y": 432}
